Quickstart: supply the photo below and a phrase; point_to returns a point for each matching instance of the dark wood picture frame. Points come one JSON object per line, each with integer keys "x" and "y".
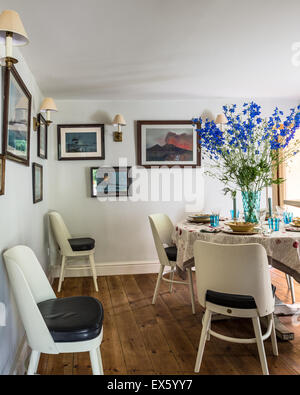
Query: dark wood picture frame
{"x": 35, "y": 167}
{"x": 78, "y": 157}
{"x": 6, "y": 94}
{"x": 116, "y": 168}
{"x": 139, "y": 144}
{"x": 41, "y": 121}
{"x": 2, "y": 174}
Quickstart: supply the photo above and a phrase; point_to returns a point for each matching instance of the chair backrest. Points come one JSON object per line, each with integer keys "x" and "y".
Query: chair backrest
{"x": 162, "y": 229}
{"x": 240, "y": 269}
{"x": 30, "y": 286}
{"x": 61, "y": 233}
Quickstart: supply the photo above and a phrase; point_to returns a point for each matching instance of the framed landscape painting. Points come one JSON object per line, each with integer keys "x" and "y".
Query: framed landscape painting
{"x": 42, "y": 143}
{"x": 167, "y": 143}
{"x": 81, "y": 142}
{"x": 16, "y": 118}
{"x": 110, "y": 181}
{"x": 37, "y": 182}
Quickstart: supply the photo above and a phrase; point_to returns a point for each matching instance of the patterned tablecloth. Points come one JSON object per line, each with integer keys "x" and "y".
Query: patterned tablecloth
{"x": 283, "y": 247}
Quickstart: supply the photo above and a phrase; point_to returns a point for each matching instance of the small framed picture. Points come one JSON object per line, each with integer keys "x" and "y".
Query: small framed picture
{"x": 167, "y": 143}
{"x": 42, "y": 140}
{"x": 2, "y": 174}
{"x": 110, "y": 181}
{"x": 80, "y": 142}
{"x": 16, "y": 118}
{"x": 37, "y": 182}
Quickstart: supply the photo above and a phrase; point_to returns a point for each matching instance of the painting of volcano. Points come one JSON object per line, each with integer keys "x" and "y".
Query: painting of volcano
{"x": 167, "y": 143}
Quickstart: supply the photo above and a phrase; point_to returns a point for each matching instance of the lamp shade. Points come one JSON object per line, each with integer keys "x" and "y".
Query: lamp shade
{"x": 48, "y": 105}
{"x": 221, "y": 119}
{"x": 10, "y": 21}
{"x": 22, "y": 103}
{"x": 119, "y": 120}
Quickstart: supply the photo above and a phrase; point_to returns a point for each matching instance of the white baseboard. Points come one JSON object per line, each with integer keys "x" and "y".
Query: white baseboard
{"x": 108, "y": 269}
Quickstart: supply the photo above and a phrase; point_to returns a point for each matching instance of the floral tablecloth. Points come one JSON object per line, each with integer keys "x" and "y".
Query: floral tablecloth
{"x": 283, "y": 247}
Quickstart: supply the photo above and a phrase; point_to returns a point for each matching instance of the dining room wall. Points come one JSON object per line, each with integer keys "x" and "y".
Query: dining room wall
{"x": 121, "y": 228}
{"x": 22, "y": 222}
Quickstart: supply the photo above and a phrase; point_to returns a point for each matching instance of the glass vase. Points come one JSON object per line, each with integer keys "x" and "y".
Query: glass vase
{"x": 251, "y": 204}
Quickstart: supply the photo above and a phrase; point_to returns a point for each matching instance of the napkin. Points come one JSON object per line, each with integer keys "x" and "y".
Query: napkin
{"x": 211, "y": 230}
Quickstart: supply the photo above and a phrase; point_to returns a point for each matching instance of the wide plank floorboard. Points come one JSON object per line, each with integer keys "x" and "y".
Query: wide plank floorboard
{"x": 139, "y": 338}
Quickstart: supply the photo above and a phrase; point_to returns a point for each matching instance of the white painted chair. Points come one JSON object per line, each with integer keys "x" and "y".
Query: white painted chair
{"x": 234, "y": 280}
{"x": 162, "y": 229}
{"x": 71, "y": 247}
{"x": 53, "y": 325}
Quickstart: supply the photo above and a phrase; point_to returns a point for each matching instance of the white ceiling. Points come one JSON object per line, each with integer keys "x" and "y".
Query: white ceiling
{"x": 161, "y": 49}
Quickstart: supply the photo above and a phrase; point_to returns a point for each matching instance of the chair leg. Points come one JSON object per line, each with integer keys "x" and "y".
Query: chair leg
{"x": 292, "y": 290}
{"x": 62, "y": 271}
{"x": 206, "y": 325}
{"x": 273, "y": 336}
{"x": 288, "y": 280}
{"x": 172, "y": 278}
{"x": 159, "y": 277}
{"x": 100, "y": 361}
{"x": 260, "y": 345}
{"x": 190, "y": 280}
{"x": 95, "y": 362}
{"x": 92, "y": 263}
{"x": 33, "y": 362}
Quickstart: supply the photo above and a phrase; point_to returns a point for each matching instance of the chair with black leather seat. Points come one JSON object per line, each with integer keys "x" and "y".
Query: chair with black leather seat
{"x": 234, "y": 280}
{"x": 162, "y": 229}
{"x": 71, "y": 247}
{"x": 53, "y": 325}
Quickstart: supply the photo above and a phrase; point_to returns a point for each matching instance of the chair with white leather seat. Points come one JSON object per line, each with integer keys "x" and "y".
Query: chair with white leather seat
{"x": 53, "y": 325}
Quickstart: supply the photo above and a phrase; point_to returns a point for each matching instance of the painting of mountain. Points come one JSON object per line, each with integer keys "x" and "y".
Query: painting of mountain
{"x": 165, "y": 145}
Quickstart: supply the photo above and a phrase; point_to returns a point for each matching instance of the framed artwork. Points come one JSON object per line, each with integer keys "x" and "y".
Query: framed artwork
{"x": 2, "y": 174}
{"x": 42, "y": 140}
{"x": 167, "y": 143}
{"x": 16, "y": 118}
{"x": 80, "y": 142}
{"x": 37, "y": 182}
{"x": 110, "y": 181}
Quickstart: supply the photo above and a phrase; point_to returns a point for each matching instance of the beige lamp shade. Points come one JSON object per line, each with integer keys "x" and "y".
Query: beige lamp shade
{"x": 119, "y": 120}
{"x": 10, "y": 21}
{"x": 221, "y": 119}
{"x": 48, "y": 105}
{"x": 22, "y": 103}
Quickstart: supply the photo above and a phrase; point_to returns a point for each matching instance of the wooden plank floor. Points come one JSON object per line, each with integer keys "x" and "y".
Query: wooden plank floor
{"x": 140, "y": 338}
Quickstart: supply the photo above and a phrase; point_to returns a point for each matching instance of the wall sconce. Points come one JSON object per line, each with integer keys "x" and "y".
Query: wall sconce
{"x": 118, "y": 121}
{"x": 221, "y": 120}
{"x": 47, "y": 107}
{"x": 12, "y": 33}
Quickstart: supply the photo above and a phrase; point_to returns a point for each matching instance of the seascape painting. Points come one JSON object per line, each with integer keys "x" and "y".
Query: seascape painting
{"x": 16, "y": 120}
{"x": 110, "y": 182}
{"x": 77, "y": 142}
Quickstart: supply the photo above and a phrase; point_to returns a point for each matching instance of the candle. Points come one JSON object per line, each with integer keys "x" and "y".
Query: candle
{"x": 270, "y": 207}
{"x": 234, "y": 208}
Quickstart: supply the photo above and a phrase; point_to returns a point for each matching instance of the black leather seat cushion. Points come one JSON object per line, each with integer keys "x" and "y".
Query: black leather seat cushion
{"x": 231, "y": 300}
{"x": 72, "y": 319}
{"x": 171, "y": 253}
{"x": 82, "y": 244}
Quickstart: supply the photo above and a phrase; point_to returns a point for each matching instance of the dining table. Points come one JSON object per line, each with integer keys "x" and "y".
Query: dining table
{"x": 282, "y": 247}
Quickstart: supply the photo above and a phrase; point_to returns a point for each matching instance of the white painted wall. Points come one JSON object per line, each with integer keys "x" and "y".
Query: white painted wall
{"x": 22, "y": 222}
{"x": 121, "y": 229}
